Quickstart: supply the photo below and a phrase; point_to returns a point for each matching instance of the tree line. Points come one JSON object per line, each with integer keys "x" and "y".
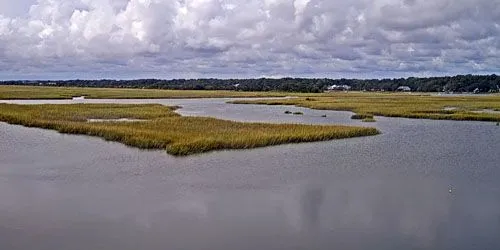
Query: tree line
{"x": 459, "y": 83}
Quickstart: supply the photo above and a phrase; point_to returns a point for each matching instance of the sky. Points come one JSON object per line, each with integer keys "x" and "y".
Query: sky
{"x": 129, "y": 39}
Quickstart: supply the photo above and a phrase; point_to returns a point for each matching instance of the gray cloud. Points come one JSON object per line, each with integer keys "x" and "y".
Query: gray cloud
{"x": 247, "y": 38}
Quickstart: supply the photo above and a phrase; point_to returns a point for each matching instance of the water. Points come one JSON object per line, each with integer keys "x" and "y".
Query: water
{"x": 384, "y": 192}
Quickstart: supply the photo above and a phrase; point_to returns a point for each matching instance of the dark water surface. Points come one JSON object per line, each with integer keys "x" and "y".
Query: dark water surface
{"x": 390, "y": 191}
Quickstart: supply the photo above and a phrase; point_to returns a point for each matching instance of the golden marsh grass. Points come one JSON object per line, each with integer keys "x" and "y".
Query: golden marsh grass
{"x": 44, "y": 92}
{"x": 367, "y": 105}
{"x": 165, "y": 129}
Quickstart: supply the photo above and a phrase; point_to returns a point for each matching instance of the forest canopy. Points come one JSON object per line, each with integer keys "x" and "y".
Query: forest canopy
{"x": 459, "y": 83}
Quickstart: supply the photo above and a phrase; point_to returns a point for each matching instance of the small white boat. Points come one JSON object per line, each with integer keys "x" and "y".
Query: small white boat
{"x": 78, "y": 98}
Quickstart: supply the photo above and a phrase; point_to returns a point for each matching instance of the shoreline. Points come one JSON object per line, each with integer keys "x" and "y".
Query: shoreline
{"x": 162, "y": 128}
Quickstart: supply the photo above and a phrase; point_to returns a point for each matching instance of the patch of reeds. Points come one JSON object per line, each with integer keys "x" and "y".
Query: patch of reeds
{"x": 161, "y": 128}
{"x": 369, "y": 120}
{"x": 366, "y": 105}
{"x": 45, "y": 92}
{"x": 298, "y": 113}
{"x": 361, "y": 116}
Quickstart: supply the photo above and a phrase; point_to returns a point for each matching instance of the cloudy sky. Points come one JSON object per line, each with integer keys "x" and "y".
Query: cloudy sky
{"x": 88, "y": 39}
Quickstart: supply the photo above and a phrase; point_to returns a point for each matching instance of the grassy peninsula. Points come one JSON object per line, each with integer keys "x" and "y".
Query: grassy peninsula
{"x": 366, "y": 105}
{"x": 8, "y": 92}
{"x": 154, "y": 126}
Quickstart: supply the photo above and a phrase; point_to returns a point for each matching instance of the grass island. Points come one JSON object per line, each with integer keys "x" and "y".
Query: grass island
{"x": 365, "y": 105}
{"x": 154, "y": 126}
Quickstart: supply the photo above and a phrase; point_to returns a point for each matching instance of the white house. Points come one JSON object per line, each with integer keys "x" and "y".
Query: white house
{"x": 403, "y": 89}
{"x": 338, "y": 88}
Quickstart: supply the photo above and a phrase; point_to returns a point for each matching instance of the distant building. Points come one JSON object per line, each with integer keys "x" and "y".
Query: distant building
{"x": 48, "y": 83}
{"x": 339, "y": 88}
{"x": 403, "y": 89}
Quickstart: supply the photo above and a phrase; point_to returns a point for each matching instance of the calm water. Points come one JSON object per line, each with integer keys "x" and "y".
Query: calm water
{"x": 384, "y": 192}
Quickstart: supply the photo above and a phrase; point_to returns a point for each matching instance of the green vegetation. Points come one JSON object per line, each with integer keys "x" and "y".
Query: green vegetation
{"x": 298, "y": 113}
{"x": 361, "y": 116}
{"x": 37, "y": 92}
{"x": 288, "y": 112}
{"x": 165, "y": 129}
{"x": 459, "y": 83}
{"x": 368, "y": 120}
{"x": 366, "y": 105}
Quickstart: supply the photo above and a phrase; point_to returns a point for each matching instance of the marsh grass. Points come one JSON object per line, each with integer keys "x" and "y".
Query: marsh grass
{"x": 369, "y": 120}
{"x": 361, "y": 116}
{"x": 298, "y": 113}
{"x": 43, "y": 92}
{"x": 165, "y": 129}
{"x": 399, "y": 105}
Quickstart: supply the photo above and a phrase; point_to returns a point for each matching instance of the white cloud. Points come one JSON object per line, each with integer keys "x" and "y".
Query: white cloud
{"x": 170, "y": 38}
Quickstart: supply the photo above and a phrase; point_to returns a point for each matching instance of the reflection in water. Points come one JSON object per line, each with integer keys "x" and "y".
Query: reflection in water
{"x": 416, "y": 214}
{"x": 411, "y": 211}
{"x": 384, "y": 192}
{"x": 310, "y": 202}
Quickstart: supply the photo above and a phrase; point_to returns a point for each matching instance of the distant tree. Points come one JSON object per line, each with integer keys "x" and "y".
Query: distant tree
{"x": 459, "y": 83}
